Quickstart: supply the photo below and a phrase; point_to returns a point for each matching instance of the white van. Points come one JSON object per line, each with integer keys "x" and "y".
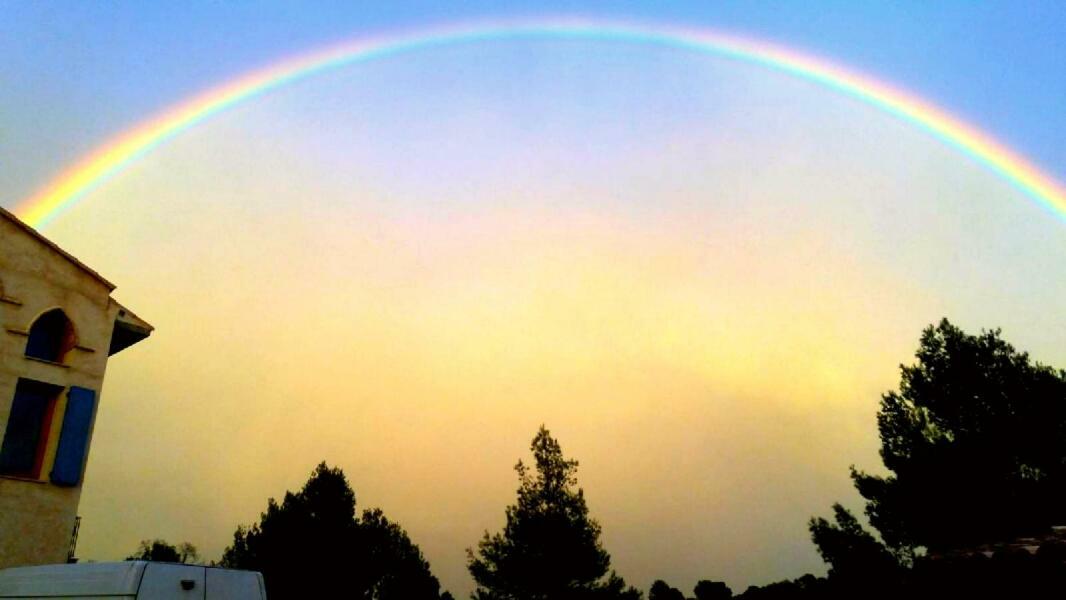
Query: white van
{"x": 131, "y": 579}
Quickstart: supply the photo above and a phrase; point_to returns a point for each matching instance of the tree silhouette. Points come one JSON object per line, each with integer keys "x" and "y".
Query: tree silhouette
{"x": 395, "y": 567}
{"x": 549, "y": 549}
{"x": 712, "y": 590}
{"x": 160, "y": 551}
{"x": 976, "y": 441}
{"x": 660, "y": 590}
{"x": 858, "y": 562}
{"x": 312, "y": 545}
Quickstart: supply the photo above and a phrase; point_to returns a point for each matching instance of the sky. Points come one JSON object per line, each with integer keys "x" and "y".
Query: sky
{"x": 700, "y": 274}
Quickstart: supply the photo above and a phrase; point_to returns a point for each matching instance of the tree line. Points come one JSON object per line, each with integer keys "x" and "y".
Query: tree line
{"x": 974, "y": 441}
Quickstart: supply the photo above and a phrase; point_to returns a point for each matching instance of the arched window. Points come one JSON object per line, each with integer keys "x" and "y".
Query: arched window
{"x": 51, "y": 336}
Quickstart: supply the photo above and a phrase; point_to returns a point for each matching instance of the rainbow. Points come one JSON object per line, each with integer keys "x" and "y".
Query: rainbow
{"x": 118, "y": 153}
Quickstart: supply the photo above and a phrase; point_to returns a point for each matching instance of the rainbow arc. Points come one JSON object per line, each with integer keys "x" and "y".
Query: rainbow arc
{"x": 118, "y": 153}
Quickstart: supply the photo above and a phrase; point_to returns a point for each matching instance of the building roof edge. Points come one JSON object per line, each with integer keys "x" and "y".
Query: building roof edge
{"x": 47, "y": 242}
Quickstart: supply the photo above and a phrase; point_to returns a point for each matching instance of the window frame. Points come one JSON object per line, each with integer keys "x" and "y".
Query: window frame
{"x": 29, "y": 390}
{"x": 58, "y": 344}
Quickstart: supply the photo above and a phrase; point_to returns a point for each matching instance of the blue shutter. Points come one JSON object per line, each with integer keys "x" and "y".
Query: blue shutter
{"x": 74, "y": 439}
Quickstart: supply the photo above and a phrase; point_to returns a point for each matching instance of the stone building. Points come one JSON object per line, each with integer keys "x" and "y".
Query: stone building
{"x": 58, "y": 326}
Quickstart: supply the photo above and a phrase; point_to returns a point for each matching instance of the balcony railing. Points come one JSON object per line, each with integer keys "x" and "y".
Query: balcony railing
{"x": 73, "y": 541}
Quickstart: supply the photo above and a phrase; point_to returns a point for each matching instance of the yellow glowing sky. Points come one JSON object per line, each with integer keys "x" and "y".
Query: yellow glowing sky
{"x": 702, "y": 301}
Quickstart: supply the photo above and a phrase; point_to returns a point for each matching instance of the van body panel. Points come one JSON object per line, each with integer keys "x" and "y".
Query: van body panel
{"x": 72, "y": 581}
{"x": 224, "y": 584}
{"x": 169, "y": 581}
{"x": 130, "y": 580}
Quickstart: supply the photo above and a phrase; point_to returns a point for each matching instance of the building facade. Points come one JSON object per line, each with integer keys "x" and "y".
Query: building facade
{"x": 58, "y": 326}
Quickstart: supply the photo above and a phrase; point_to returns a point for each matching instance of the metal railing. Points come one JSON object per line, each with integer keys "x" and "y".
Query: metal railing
{"x": 74, "y": 540}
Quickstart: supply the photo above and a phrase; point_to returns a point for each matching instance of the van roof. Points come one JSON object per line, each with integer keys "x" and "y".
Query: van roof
{"x": 87, "y": 579}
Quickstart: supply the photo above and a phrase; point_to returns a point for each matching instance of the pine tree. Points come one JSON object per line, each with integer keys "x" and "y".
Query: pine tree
{"x": 549, "y": 548}
{"x": 974, "y": 444}
{"x": 312, "y": 545}
{"x": 974, "y": 439}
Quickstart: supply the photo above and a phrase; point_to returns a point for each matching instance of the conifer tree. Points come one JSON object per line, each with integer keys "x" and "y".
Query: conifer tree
{"x": 550, "y": 548}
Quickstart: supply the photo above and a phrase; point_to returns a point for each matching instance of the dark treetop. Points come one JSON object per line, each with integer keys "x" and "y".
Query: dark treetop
{"x": 549, "y": 549}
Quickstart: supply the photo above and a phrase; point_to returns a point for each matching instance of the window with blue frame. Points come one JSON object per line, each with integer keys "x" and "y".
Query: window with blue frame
{"x": 26, "y": 434}
{"x": 51, "y": 336}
